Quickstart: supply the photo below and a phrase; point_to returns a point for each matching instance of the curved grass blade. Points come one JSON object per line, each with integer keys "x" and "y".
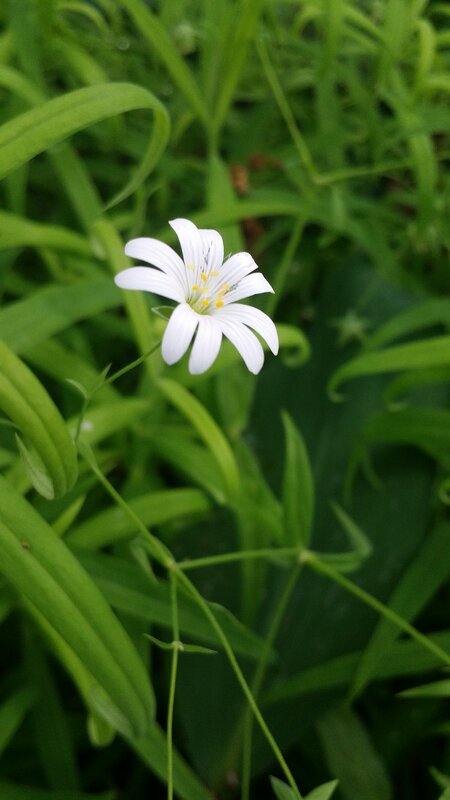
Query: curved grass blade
{"x": 41, "y": 567}
{"x": 25, "y": 401}
{"x": 35, "y": 131}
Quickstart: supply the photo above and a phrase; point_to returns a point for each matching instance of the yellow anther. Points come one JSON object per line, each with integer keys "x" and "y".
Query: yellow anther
{"x": 219, "y": 303}
{"x": 224, "y": 288}
{"x": 205, "y": 302}
{"x": 195, "y": 288}
{"x": 204, "y": 276}
{"x": 214, "y": 273}
{"x": 190, "y": 266}
{"x": 204, "y": 289}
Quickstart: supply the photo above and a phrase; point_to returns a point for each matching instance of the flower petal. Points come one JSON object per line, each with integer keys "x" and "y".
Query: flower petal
{"x": 254, "y": 318}
{"x": 252, "y": 284}
{"x": 245, "y": 343}
{"x": 160, "y": 255}
{"x": 190, "y": 242}
{"x": 212, "y": 249}
{"x": 206, "y": 345}
{"x": 147, "y": 279}
{"x": 236, "y": 268}
{"x": 179, "y": 332}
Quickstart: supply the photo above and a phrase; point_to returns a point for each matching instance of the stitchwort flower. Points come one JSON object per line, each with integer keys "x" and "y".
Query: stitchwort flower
{"x": 207, "y": 290}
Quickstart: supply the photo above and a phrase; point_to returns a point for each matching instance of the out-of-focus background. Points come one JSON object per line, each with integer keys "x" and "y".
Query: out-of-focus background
{"x": 314, "y": 135}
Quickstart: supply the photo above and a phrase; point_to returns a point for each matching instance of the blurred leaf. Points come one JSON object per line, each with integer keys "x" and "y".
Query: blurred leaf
{"x": 351, "y": 756}
{"x": 434, "y": 352}
{"x": 12, "y": 713}
{"x": 48, "y": 311}
{"x": 17, "y": 791}
{"x": 156, "y": 508}
{"x": 298, "y": 487}
{"x": 323, "y": 792}
{"x": 282, "y": 790}
{"x": 35, "y": 131}
{"x": 207, "y": 429}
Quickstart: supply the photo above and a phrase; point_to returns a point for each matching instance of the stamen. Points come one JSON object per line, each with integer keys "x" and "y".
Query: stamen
{"x": 195, "y": 288}
{"x": 219, "y": 303}
{"x": 190, "y": 266}
{"x": 205, "y": 302}
{"x": 204, "y": 276}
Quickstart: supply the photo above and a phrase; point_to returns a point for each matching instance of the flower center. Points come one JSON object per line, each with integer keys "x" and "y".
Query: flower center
{"x": 205, "y": 292}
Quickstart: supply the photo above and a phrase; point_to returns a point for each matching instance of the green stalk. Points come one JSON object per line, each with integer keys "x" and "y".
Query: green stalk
{"x": 260, "y": 673}
{"x": 275, "y": 553}
{"x": 315, "y": 562}
{"x": 201, "y": 602}
{"x": 173, "y": 682}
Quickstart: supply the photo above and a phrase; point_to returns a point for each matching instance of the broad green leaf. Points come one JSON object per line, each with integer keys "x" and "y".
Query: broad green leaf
{"x": 12, "y": 713}
{"x": 433, "y": 352}
{"x": 25, "y": 401}
{"x": 35, "y": 131}
{"x": 298, "y": 487}
{"x": 350, "y": 756}
{"x": 40, "y": 567}
{"x": 207, "y": 429}
{"x": 153, "y": 509}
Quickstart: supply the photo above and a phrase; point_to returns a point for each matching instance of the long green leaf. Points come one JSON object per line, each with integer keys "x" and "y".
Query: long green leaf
{"x": 156, "y": 508}
{"x": 298, "y": 487}
{"x": 35, "y": 131}
{"x": 40, "y": 566}
{"x": 25, "y": 401}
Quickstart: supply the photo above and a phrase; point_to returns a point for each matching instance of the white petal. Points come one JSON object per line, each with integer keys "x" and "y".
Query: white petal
{"x": 245, "y": 343}
{"x": 252, "y": 284}
{"x": 147, "y": 279}
{"x": 179, "y": 332}
{"x": 160, "y": 255}
{"x": 212, "y": 249}
{"x": 254, "y": 318}
{"x": 236, "y": 268}
{"x": 190, "y": 242}
{"x": 206, "y": 345}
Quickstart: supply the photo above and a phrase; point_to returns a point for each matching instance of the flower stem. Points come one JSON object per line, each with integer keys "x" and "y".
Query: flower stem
{"x": 201, "y": 602}
{"x": 318, "y": 565}
{"x": 131, "y": 365}
{"x": 259, "y": 675}
{"x": 272, "y": 553}
{"x": 173, "y": 681}
{"x": 87, "y": 399}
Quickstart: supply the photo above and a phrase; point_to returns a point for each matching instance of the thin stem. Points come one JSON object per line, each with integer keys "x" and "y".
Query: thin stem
{"x": 275, "y": 553}
{"x": 87, "y": 399}
{"x": 191, "y": 589}
{"x": 283, "y": 268}
{"x": 130, "y": 366}
{"x": 318, "y": 565}
{"x": 260, "y": 672}
{"x": 173, "y": 682}
{"x": 155, "y": 547}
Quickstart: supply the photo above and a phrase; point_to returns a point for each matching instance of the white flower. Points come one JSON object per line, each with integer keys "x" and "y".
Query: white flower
{"x": 206, "y": 290}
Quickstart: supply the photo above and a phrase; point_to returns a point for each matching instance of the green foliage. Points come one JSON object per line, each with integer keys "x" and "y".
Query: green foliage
{"x": 315, "y": 136}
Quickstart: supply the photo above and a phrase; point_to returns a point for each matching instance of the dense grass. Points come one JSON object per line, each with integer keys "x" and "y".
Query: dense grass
{"x": 292, "y": 529}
